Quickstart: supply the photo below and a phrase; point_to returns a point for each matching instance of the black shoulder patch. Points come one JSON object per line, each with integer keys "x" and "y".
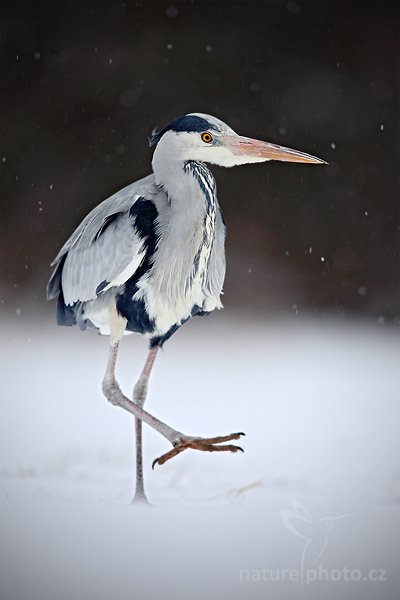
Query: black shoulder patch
{"x": 187, "y": 123}
{"x": 144, "y": 214}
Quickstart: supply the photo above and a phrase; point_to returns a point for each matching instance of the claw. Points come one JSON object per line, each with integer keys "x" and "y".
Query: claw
{"x": 203, "y": 444}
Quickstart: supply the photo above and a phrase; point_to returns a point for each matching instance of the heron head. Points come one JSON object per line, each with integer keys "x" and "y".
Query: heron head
{"x": 204, "y": 138}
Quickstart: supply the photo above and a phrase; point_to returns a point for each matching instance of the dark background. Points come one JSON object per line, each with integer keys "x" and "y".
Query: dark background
{"x": 84, "y": 83}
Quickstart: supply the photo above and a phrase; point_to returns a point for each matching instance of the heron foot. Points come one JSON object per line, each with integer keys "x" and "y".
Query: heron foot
{"x": 197, "y": 443}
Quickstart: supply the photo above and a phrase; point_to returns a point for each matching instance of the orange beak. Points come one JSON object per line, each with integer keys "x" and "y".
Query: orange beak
{"x": 244, "y": 146}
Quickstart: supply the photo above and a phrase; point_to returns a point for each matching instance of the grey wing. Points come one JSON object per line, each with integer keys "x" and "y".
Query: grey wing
{"x": 217, "y": 265}
{"x": 104, "y": 251}
{"x": 108, "y": 261}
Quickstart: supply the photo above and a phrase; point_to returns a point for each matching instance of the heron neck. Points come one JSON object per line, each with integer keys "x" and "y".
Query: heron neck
{"x": 188, "y": 226}
{"x": 187, "y": 183}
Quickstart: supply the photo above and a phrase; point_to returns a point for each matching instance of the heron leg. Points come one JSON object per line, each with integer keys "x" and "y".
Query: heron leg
{"x": 113, "y": 392}
{"x": 114, "y": 395}
{"x": 139, "y": 397}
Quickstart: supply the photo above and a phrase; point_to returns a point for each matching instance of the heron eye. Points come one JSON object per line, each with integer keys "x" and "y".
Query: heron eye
{"x": 206, "y": 137}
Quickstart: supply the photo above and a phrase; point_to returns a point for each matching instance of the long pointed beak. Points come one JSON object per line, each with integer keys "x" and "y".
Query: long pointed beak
{"x": 243, "y": 146}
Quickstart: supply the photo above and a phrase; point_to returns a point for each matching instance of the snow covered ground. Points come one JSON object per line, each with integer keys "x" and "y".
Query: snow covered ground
{"x": 311, "y": 509}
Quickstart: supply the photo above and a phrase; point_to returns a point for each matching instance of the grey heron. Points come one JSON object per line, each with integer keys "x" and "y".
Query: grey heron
{"x": 152, "y": 256}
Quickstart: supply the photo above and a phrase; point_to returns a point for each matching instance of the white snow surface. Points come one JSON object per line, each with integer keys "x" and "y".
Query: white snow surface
{"x": 312, "y": 502}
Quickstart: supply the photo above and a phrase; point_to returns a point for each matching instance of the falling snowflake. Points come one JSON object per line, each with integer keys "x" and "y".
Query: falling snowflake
{"x": 172, "y": 12}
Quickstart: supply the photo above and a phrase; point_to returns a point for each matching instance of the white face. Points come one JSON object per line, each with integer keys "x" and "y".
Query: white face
{"x": 220, "y": 151}
{"x": 220, "y": 145}
{"x": 217, "y": 145}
